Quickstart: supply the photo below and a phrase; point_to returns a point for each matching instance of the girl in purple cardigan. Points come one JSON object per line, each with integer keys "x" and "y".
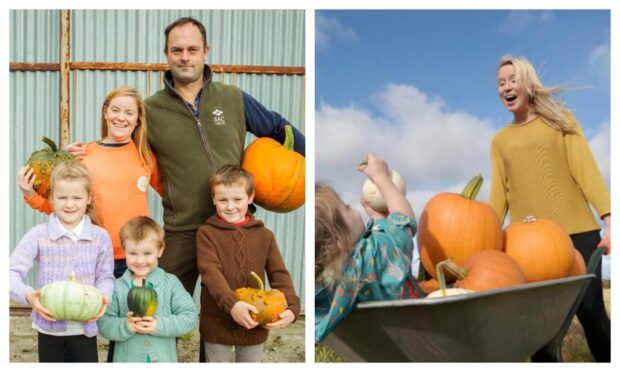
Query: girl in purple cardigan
{"x": 69, "y": 242}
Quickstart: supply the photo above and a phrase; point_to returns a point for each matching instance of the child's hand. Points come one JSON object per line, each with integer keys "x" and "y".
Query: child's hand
{"x": 286, "y": 318}
{"x": 105, "y": 301}
{"x": 25, "y": 181}
{"x": 132, "y": 322}
{"x": 34, "y": 299}
{"x": 371, "y": 212}
{"x": 375, "y": 168}
{"x": 77, "y": 149}
{"x": 147, "y": 324}
{"x": 241, "y": 314}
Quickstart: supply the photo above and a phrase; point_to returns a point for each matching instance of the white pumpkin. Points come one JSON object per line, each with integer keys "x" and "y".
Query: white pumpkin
{"x": 449, "y": 292}
{"x": 373, "y": 197}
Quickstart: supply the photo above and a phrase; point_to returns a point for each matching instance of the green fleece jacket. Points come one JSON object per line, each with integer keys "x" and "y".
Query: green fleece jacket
{"x": 189, "y": 150}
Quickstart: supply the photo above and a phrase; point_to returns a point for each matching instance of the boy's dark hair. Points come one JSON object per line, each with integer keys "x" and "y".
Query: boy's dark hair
{"x": 229, "y": 175}
{"x": 182, "y": 21}
{"x": 139, "y": 228}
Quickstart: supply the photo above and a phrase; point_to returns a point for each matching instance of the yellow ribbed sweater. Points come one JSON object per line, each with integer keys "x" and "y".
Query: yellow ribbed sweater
{"x": 537, "y": 171}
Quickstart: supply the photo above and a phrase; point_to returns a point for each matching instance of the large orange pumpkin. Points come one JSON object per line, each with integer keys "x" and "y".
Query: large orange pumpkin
{"x": 485, "y": 270}
{"x": 279, "y": 173}
{"x": 270, "y": 304}
{"x": 579, "y": 265}
{"x": 457, "y": 226}
{"x": 541, "y": 247}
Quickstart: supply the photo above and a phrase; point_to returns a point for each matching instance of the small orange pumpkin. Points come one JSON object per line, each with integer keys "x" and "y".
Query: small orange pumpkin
{"x": 279, "y": 173}
{"x": 270, "y": 304}
{"x": 579, "y": 265}
{"x": 457, "y": 226}
{"x": 485, "y": 270}
{"x": 541, "y": 247}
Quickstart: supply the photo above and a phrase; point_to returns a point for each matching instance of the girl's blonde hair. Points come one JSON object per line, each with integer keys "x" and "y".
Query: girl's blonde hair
{"x": 73, "y": 170}
{"x": 332, "y": 238}
{"x": 139, "y": 133}
{"x": 542, "y": 101}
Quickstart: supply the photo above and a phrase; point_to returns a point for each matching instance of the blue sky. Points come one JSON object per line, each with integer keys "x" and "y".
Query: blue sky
{"x": 418, "y": 88}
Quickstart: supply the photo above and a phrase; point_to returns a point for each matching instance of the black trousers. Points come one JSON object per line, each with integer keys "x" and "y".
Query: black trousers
{"x": 591, "y": 312}
{"x": 60, "y": 349}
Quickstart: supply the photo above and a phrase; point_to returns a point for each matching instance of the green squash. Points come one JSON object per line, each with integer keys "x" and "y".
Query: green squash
{"x": 142, "y": 300}
{"x": 71, "y": 300}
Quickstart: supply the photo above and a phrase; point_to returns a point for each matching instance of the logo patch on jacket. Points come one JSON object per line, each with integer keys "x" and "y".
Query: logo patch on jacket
{"x": 143, "y": 183}
{"x": 218, "y": 117}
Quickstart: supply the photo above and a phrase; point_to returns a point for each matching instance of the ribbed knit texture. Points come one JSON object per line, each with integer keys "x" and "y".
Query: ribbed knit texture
{"x": 176, "y": 316}
{"x": 538, "y": 171}
{"x": 90, "y": 259}
{"x": 226, "y": 255}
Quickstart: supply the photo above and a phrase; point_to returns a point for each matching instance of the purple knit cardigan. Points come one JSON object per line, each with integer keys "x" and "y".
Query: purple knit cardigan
{"x": 90, "y": 259}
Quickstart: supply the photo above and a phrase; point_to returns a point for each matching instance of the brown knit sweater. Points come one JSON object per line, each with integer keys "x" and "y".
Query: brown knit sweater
{"x": 226, "y": 255}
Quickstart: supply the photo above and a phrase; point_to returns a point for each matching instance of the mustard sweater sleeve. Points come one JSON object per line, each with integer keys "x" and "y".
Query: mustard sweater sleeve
{"x": 585, "y": 170}
{"x": 498, "y": 198}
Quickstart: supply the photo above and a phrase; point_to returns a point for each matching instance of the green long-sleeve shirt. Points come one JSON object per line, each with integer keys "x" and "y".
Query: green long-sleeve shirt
{"x": 538, "y": 171}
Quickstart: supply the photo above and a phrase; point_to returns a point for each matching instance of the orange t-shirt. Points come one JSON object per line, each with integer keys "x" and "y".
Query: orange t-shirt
{"x": 120, "y": 183}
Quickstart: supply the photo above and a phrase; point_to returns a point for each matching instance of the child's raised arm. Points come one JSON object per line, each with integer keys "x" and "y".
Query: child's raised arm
{"x": 376, "y": 169}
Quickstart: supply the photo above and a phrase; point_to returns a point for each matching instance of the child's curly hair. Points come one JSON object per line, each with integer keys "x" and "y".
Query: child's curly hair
{"x": 332, "y": 237}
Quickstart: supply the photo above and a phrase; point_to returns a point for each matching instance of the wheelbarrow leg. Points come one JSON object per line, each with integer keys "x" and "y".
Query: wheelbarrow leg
{"x": 552, "y": 351}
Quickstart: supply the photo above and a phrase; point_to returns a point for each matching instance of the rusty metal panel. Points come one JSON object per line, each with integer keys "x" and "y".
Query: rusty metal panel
{"x": 236, "y": 37}
{"x": 34, "y": 35}
{"x": 239, "y": 37}
{"x": 33, "y": 113}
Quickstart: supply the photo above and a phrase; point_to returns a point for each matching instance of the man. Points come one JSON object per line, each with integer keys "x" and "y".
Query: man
{"x": 197, "y": 125}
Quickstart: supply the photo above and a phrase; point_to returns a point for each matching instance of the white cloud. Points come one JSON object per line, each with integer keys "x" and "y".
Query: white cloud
{"x": 435, "y": 150}
{"x": 328, "y": 29}
{"x": 600, "y": 144}
{"x": 519, "y": 21}
{"x": 599, "y": 63}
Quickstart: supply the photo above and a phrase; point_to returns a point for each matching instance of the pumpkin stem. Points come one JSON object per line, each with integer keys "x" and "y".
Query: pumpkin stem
{"x": 72, "y": 277}
{"x": 441, "y": 278}
{"x": 363, "y": 162}
{"x": 144, "y": 282}
{"x": 289, "y": 139}
{"x": 529, "y": 219}
{"x": 261, "y": 285}
{"x": 471, "y": 189}
{"x": 50, "y": 143}
{"x": 459, "y": 271}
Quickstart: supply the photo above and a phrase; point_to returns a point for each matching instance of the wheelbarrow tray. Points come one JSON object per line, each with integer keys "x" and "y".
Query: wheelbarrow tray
{"x": 502, "y": 325}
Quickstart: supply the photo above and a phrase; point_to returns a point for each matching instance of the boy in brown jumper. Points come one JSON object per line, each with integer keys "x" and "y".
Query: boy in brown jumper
{"x": 230, "y": 245}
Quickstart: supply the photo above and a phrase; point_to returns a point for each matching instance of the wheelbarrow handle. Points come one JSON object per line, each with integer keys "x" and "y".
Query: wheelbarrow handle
{"x": 553, "y": 349}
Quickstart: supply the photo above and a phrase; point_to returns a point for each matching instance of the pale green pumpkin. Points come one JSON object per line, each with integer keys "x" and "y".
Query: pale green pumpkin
{"x": 71, "y": 300}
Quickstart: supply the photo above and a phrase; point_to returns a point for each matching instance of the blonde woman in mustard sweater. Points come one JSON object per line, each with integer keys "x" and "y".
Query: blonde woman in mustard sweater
{"x": 542, "y": 166}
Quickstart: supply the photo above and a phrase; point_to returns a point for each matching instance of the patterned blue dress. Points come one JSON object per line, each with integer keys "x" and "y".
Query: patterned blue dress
{"x": 379, "y": 268}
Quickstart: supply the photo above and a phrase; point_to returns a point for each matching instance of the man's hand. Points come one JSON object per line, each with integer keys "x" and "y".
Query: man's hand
{"x": 77, "y": 149}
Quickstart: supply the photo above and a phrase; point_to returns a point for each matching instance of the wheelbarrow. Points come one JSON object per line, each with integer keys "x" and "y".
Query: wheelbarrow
{"x": 502, "y": 325}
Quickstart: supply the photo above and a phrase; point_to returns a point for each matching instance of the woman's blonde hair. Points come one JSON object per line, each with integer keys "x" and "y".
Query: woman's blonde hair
{"x": 139, "y": 133}
{"x": 542, "y": 101}
{"x": 332, "y": 237}
{"x": 74, "y": 170}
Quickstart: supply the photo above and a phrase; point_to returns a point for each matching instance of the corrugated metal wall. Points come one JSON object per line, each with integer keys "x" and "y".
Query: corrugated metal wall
{"x": 236, "y": 37}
